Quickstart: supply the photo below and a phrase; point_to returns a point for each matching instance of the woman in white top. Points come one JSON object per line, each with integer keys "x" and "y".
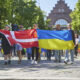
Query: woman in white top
{"x": 76, "y": 44}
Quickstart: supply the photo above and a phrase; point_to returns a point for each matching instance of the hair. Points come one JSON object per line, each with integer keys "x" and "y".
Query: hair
{"x": 34, "y": 25}
{"x": 77, "y": 35}
{"x": 58, "y": 25}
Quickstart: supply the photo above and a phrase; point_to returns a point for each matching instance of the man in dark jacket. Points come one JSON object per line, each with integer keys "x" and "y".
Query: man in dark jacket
{"x": 71, "y": 51}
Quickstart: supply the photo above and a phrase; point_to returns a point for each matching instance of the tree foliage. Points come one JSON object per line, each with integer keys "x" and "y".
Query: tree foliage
{"x": 75, "y": 15}
{"x": 21, "y": 12}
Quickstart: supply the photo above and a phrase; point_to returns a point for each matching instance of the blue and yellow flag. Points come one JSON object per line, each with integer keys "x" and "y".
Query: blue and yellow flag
{"x": 57, "y": 40}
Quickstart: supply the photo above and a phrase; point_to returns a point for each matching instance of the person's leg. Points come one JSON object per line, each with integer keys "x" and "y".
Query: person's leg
{"x": 5, "y": 59}
{"x": 66, "y": 56}
{"x": 56, "y": 55}
{"x": 29, "y": 56}
{"x": 5, "y": 56}
{"x": 33, "y": 49}
{"x": 23, "y": 52}
{"x": 72, "y": 55}
{"x": 9, "y": 58}
{"x": 49, "y": 54}
{"x": 39, "y": 58}
{"x": 37, "y": 53}
{"x": 19, "y": 55}
{"x": 14, "y": 49}
{"x": 33, "y": 53}
{"x": 76, "y": 51}
{"x": 19, "y": 52}
{"x": 53, "y": 52}
{"x": 60, "y": 54}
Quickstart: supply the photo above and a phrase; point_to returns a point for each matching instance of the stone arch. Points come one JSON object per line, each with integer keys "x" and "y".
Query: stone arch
{"x": 57, "y": 14}
{"x": 61, "y": 22}
{"x": 61, "y": 18}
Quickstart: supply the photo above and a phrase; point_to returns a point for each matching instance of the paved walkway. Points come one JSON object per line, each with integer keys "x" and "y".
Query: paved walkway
{"x": 44, "y": 70}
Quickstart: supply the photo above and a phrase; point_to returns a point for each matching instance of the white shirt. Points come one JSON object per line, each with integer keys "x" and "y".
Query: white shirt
{"x": 77, "y": 40}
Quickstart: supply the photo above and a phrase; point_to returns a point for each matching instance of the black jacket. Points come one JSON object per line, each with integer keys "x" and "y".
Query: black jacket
{"x": 5, "y": 44}
{"x": 73, "y": 36}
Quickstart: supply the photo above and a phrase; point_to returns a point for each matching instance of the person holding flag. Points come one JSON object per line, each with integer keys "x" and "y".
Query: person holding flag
{"x": 19, "y": 47}
{"x": 35, "y": 50}
{"x": 71, "y": 50}
{"x": 58, "y": 52}
{"x": 6, "y": 47}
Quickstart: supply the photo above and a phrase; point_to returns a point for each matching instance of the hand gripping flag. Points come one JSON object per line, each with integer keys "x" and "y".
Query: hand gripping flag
{"x": 27, "y": 38}
{"x": 55, "y": 40}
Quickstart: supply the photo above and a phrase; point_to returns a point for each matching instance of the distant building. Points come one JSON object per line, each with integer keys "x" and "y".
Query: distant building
{"x": 60, "y": 14}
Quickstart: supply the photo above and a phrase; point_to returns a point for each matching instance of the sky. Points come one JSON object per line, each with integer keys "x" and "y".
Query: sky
{"x": 47, "y": 5}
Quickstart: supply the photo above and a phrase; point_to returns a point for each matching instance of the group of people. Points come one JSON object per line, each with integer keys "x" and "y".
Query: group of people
{"x": 7, "y": 48}
{"x": 34, "y": 52}
{"x": 73, "y": 53}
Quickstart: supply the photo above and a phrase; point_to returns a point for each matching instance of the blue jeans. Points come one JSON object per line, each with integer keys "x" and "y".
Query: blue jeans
{"x": 58, "y": 55}
{"x": 71, "y": 54}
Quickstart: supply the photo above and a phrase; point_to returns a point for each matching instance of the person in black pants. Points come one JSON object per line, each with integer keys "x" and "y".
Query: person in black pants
{"x": 76, "y": 44}
{"x": 7, "y": 49}
{"x": 35, "y": 52}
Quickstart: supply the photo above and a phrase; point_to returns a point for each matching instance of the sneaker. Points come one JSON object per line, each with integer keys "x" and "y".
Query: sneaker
{"x": 65, "y": 62}
{"x": 32, "y": 62}
{"x": 5, "y": 63}
{"x": 36, "y": 62}
{"x": 75, "y": 56}
{"x": 71, "y": 62}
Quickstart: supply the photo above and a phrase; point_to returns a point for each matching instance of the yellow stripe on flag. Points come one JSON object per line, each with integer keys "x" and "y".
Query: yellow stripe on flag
{"x": 56, "y": 44}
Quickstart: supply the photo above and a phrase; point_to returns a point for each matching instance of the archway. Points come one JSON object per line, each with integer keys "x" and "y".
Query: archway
{"x": 62, "y": 22}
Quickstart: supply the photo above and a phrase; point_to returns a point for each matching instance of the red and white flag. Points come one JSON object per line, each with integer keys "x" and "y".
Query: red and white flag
{"x": 26, "y": 38}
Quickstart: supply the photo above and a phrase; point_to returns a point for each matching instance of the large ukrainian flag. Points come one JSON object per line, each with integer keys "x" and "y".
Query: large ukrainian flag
{"x": 57, "y": 40}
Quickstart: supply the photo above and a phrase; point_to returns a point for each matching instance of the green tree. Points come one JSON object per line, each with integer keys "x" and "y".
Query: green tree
{"x": 21, "y": 12}
{"x": 75, "y": 15}
{"x": 41, "y": 22}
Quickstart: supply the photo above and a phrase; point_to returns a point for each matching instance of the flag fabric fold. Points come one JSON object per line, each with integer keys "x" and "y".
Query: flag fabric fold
{"x": 57, "y": 40}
